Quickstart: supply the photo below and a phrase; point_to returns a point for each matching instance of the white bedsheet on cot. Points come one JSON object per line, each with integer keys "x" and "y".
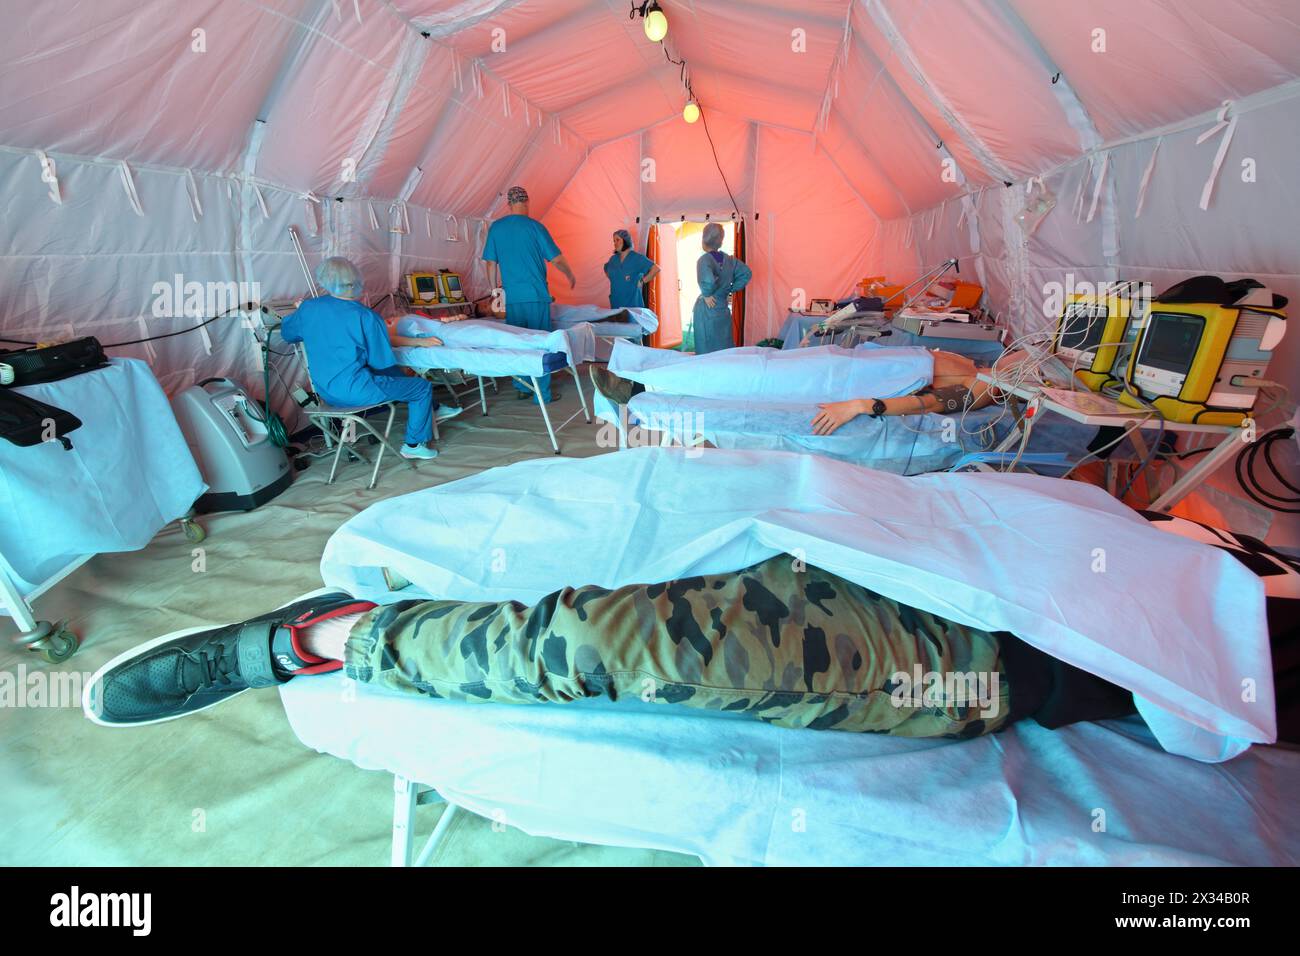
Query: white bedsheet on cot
{"x": 488, "y": 362}
{"x": 643, "y": 321}
{"x": 903, "y": 445}
{"x": 578, "y": 341}
{"x": 1060, "y": 564}
{"x": 732, "y": 790}
{"x": 128, "y": 474}
{"x": 827, "y": 373}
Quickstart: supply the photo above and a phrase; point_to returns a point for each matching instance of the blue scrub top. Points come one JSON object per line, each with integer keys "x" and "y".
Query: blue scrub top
{"x": 345, "y": 342}
{"x": 624, "y": 292}
{"x": 521, "y": 246}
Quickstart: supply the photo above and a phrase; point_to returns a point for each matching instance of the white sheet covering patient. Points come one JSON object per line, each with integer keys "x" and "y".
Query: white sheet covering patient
{"x": 843, "y": 383}
{"x": 666, "y": 580}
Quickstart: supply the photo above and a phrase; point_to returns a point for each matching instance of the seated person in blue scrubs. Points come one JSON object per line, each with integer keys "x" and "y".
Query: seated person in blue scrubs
{"x": 629, "y": 272}
{"x": 350, "y": 353}
{"x": 516, "y": 252}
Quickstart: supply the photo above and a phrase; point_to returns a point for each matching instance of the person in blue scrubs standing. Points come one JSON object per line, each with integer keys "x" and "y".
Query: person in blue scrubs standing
{"x": 629, "y": 272}
{"x": 719, "y": 276}
{"x": 516, "y": 252}
{"x": 350, "y": 353}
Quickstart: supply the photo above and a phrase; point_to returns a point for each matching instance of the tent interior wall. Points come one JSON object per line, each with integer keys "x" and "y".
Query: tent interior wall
{"x": 856, "y": 137}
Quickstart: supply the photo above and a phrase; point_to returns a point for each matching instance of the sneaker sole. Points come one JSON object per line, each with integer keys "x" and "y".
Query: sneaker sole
{"x": 96, "y": 679}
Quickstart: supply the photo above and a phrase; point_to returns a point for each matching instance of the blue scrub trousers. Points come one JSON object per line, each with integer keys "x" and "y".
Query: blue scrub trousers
{"x": 531, "y": 315}
{"x": 393, "y": 385}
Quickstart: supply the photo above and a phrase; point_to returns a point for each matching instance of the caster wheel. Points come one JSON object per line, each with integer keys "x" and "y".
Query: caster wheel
{"x": 57, "y": 646}
{"x": 194, "y": 532}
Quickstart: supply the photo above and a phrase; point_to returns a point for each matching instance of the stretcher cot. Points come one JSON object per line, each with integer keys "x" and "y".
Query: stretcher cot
{"x": 609, "y": 325}
{"x": 904, "y": 444}
{"x": 487, "y": 349}
{"x": 733, "y": 791}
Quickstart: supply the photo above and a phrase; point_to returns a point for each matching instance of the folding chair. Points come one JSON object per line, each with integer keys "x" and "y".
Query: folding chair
{"x": 341, "y": 426}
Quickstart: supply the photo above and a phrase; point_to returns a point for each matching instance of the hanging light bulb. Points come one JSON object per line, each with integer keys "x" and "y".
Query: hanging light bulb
{"x": 692, "y": 111}
{"x": 656, "y": 22}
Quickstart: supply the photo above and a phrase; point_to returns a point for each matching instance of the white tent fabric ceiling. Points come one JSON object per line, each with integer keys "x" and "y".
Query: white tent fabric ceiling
{"x": 388, "y": 130}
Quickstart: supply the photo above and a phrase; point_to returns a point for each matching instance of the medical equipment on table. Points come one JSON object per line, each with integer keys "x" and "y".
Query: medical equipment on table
{"x": 945, "y": 324}
{"x": 449, "y": 286}
{"x": 821, "y": 307}
{"x": 443, "y": 286}
{"x": 1202, "y": 354}
{"x": 847, "y": 325}
{"x": 1093, "y": 409}
{"x": 227, "y": 435}
{"x": 923, "y": 283}
{"x": 889, "y": 295}
{"x": 1097, "y": 330}
{"x": 423, "y": 287}
{"x": 49, "y": 363}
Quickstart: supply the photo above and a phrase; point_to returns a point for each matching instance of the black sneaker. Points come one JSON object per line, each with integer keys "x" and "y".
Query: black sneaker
{"x": 618, "y": 390}
{"x": 188, "y": 671}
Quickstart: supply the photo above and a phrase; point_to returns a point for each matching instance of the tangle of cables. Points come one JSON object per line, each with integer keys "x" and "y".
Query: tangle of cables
{"x": 1248, "y": 461}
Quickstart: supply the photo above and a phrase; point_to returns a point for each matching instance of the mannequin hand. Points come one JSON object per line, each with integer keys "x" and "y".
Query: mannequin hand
{"x": 832, "y": 415}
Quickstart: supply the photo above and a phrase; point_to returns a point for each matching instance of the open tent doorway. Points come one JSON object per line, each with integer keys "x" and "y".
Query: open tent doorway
{"x": 679, "y": 250}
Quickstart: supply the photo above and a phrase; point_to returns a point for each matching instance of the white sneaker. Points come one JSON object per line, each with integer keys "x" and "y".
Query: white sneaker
{"x": 419, "y": 452}
{"x": 446, "y": 413}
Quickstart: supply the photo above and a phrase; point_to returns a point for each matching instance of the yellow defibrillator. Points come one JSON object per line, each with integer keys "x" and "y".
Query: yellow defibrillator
{"x": 1097, "y": 330}
{"x": 1204, "y": 349}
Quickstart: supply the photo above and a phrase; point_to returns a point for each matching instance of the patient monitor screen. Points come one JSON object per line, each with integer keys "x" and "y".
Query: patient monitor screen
{"x": 1083, "y": 326}
{"x": 1171, "y": 341}
{"x": 453, "y": 284}
{"x": 426, "y": 287}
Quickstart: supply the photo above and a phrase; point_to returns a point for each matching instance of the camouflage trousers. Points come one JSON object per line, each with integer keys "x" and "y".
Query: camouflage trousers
{"x": 785, "y": 643}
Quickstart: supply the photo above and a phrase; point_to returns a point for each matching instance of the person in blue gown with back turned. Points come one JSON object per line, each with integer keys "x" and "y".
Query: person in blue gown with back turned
{"x": 629, "y": 273}
{"x": 719, "y": 276}
{"x": 516, "y": 252}
{"x": 350, "y": 354}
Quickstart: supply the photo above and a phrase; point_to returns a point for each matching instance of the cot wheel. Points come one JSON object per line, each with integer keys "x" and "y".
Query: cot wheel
{"x": 194, "y": 532}
{"x": 58, "y": 645}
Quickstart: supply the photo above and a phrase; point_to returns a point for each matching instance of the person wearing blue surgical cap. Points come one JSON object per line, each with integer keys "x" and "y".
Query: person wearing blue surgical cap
{"x": 350, "y": 354}
{"x": 719, "y": 276}
{"x": 628, "y": 272}
{"x": 516, "y": 251}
